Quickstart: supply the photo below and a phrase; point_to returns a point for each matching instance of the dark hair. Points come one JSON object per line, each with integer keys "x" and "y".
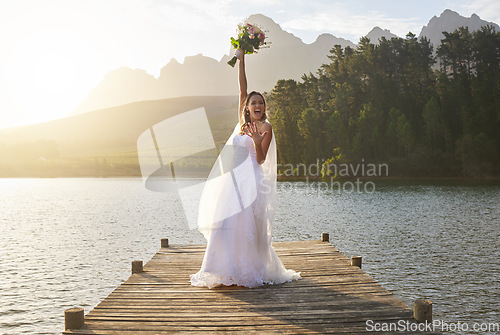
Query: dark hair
{"x": 246, "y": 114}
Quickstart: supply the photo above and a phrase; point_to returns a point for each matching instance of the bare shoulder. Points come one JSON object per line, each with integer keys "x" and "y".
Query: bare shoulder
{"x": 266, "y": 126}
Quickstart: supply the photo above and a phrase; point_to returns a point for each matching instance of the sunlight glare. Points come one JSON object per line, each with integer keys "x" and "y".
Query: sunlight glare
{"x": 48, "y": 73}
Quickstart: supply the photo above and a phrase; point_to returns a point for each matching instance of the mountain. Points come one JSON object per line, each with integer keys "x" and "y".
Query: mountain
{"x": 449, "y": 21}
{"x": 198, "y": 75}
{"x": 118, "y": 87}
{"x": 288, "y": 57}
{"x": 377, "y": 33}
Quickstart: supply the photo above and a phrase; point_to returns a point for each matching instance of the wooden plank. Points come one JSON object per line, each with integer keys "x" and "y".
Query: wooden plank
{"x": 185, "y": 304}
{"x": 332, "y": 297}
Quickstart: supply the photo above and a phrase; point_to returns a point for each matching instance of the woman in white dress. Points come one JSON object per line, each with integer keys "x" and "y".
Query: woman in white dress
{"x": 237, "y": 204}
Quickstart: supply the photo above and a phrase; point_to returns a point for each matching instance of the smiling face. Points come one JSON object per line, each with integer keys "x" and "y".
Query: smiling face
{"x": 257, "y": 106}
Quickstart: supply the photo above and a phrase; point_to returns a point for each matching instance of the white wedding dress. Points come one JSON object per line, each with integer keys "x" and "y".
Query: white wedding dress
{"x": 236, "y": 211}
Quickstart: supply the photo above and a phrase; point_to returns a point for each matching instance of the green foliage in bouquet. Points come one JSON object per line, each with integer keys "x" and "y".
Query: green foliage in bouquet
{"x": 250, "y": 39}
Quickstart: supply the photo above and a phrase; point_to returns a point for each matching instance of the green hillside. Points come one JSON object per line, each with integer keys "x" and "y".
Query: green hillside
{"x": 102, "y": 142}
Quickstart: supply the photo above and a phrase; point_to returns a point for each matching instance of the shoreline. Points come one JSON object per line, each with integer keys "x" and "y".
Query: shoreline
{"x": 394, "y": 178}
{"x": 299, "y": 179}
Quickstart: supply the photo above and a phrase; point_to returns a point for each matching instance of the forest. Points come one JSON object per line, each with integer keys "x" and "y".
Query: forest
{"x": 423, "y": 111}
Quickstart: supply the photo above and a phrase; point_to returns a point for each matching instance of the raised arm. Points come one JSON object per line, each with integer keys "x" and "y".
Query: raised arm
{"x": 242, "y": 81}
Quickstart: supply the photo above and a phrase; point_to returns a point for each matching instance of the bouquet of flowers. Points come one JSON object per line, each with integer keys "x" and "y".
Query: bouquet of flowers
{"x": 250, "y": 39}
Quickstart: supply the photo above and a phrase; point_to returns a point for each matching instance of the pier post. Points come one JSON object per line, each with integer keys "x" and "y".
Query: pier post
{"x": 137, "y": 267}
{"x": 164, "y": 242}
{"x": 73, "y": 318}
{"x": 325, "y": 237}
{"x": 356, "y": 261}
{"x": 422, "y": 310}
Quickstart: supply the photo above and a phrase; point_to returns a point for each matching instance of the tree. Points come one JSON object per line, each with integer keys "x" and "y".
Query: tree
{"x": 286, "y": 105}
{"x": 387, "y": 103}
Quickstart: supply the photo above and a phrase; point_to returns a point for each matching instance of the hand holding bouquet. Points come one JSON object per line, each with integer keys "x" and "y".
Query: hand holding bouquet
{"x": 250, "y": 39}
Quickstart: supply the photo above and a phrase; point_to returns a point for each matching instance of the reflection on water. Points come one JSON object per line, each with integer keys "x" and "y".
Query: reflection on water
{"x": 69, "y": 242}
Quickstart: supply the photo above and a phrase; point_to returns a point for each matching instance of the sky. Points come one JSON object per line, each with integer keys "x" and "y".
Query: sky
{"x": 55, "y": 51}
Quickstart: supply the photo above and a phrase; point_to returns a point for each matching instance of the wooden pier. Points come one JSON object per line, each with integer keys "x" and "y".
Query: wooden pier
{"x": 333, "y": 297}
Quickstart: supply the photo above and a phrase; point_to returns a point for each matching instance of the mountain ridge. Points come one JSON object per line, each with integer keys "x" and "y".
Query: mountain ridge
{"x": 201, "y": 75}
{"x": 449, "y": 21}
{"x": 218, "y": 78}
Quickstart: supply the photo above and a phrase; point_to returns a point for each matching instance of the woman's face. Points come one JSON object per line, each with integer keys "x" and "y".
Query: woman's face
{"x": 256, "y": 107}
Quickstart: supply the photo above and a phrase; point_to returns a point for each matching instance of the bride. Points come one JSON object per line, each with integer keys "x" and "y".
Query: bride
{"x": 237, "y": 204}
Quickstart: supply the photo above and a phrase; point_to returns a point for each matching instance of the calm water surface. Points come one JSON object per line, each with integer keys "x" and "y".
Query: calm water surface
{"x": 70, "y": 242}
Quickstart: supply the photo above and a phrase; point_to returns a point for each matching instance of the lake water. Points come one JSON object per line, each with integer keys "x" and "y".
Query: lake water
{"x": 70, "y": 242}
